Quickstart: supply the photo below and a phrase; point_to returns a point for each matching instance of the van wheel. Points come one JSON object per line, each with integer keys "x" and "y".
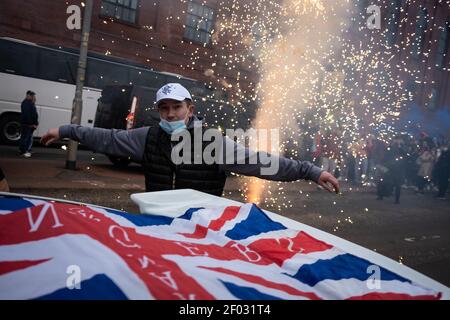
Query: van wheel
{"x": 119, "y": 162}
{"x": 10, "y": 129}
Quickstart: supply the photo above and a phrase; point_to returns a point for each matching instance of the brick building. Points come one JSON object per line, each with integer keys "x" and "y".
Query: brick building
{"x": 152, "y": 33}
{"x": 417, "y": 33}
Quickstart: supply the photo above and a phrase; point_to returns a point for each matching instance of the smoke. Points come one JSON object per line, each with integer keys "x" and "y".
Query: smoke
{"x": 294, "y": 69}
{"x": 417, "y": 120}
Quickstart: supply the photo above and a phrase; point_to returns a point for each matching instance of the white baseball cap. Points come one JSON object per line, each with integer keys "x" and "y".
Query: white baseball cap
{"x": 173, "y": 91}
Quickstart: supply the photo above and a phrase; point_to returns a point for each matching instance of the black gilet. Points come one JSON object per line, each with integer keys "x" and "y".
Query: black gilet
{"x": 162, "y": 174}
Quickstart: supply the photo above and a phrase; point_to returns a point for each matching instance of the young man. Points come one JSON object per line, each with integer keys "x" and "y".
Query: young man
{"x": 29, "y": 123}
{"x": 153, "y": 146}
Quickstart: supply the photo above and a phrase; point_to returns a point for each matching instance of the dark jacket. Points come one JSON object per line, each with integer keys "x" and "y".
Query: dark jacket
{"x": 442, "y": 167}
{"x": 395, "y": 161}
{"x": 162, "y": 174}
{"x": 29, "y": 115}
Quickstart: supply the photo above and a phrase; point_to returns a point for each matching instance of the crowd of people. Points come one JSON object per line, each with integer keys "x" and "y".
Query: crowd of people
{"x": 420, "y": 163}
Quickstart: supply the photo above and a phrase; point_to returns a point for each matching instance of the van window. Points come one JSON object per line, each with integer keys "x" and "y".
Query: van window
{"x": 19, "y": 59}
{"x": 57, "y": 66}
{"x": 100, "y": 74}
{"x": 146, "y": 78}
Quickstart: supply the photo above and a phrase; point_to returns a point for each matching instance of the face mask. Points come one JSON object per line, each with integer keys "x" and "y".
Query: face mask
{"x": 171, "y": 127}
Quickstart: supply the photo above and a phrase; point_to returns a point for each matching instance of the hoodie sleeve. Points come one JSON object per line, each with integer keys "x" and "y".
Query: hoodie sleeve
{"x": 238, "y": 159}
{"x": 121, "y": 143}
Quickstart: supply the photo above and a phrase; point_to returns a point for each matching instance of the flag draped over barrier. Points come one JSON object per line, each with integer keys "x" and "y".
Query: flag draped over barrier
{"x": 58, "y": 250}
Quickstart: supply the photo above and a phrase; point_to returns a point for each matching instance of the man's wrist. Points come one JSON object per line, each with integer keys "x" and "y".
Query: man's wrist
{"x": 315, "y": 174}
{"x": 64, "y": 131}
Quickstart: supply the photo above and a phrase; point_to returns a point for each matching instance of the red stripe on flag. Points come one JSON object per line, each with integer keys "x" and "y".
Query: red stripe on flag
{"x": 200, "y": 231}
{"x": 282, "y": 249}
{"x": 229, "y": 214}
{"x": 10, "y": 266}
{"x": 266, "y": 283}
{"x": 394, "y": 296}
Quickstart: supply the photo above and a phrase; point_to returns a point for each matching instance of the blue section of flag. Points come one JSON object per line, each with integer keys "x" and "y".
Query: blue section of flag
{"x": 99, "y": 287}
{"x": 188, "y": 214}
{"x": 14, "y": 203}
{"x": 345, "y": 266}
{"x": 142, "y": 220}
{"x": 256, "y": 223}
{"x": 247, "y": 293}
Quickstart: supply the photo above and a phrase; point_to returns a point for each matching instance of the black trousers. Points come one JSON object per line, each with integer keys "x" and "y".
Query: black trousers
{"x": 385, "y": 188}
{"x": 421, "y": 183}
{"x": 26, "y": 139}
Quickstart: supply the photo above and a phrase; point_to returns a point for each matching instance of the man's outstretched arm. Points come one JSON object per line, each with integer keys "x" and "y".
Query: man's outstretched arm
{"x": 121, "y": 143}
{"x": 272, "y": 167}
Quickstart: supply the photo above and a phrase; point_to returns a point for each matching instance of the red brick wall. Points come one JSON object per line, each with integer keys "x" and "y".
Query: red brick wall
{"x": 158, "y": 26}
{"x": 432, "y": 77}
{"x": 429, "y": 75}
{"x": 44, "y": 22}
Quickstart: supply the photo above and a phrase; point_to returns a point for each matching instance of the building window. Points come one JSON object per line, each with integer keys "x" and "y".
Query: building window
{"x": 421, "y": 27}
{"x": 199, "y": 23}
{"x": 442, "y": 50}
{"x": 124, "y": 10}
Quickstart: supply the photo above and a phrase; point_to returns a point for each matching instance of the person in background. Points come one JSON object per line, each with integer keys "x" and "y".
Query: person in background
{"x": 329, "y": 152}
{"x": 394, "y": 175}
{"x": 425, "y": 162}
{"x": 411, "y": 166}
{"x": 29, "y": 123}
{"x": 442, "y": 171}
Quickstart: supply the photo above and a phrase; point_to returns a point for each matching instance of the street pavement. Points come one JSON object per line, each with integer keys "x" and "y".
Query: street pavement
{"x": 415, "y": 232}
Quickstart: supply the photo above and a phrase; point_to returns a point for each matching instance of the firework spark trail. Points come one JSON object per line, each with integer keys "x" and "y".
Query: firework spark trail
{"x": 288, "y": 68}
{"x": 319, "y": 67}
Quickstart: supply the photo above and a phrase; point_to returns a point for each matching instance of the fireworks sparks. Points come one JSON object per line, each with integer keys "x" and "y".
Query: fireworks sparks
{"x": 309, "y": 66}
{"x": 319, "y": 68}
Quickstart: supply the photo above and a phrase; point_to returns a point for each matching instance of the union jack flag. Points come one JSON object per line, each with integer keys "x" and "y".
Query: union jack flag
{"x": 235, "y": 252}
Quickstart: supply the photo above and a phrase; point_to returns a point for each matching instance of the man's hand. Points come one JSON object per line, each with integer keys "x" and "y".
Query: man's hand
{"x": 51, "y": 136}
{"x": 328, "y": 181}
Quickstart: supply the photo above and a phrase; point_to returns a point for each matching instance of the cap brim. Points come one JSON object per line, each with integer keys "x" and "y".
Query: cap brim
{"x": 177, "y": 98}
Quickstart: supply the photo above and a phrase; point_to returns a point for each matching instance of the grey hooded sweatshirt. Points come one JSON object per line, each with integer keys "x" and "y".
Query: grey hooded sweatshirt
{"x": 131, "y": 143}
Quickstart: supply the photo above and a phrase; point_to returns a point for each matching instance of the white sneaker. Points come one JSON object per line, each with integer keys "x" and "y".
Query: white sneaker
{"x": 27, "y": 155}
